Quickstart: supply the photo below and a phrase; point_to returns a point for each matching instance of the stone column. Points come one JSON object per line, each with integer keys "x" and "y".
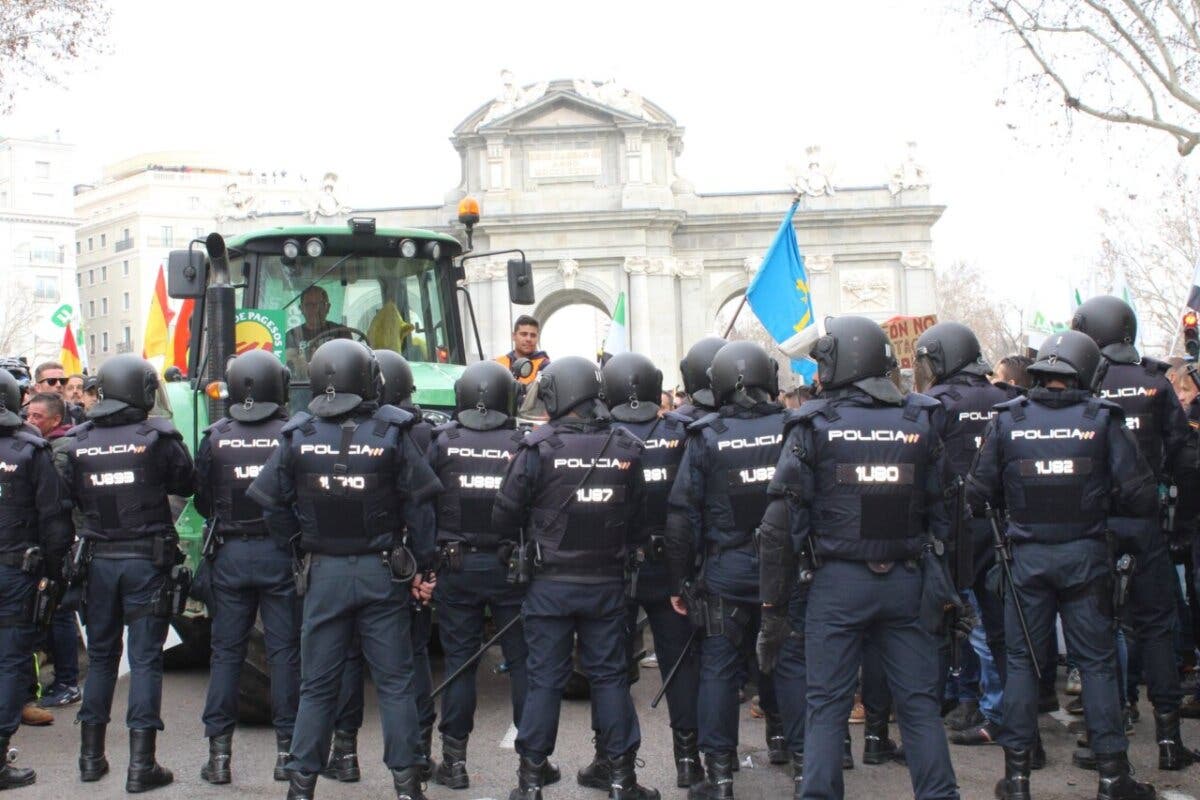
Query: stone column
{"x": 486, "y": 279}
{"x": 919, "y": 282}
{"x": 638, "y": 304}
{"x": 693, "y": 325}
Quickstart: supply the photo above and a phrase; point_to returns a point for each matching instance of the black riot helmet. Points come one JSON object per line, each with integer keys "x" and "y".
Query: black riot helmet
{"x": 343, "y": 374}
{"x": 1111, "y": 323}
{"x": 125, "y": 381}
{"x": 743, "y": 367}
{"x": 485, "y": 396}
{"x": 568, "y": 383}
{"x": 1070, "y": 355}
{"x": 397, "y": 378}
{"x": 10, "y": 400}
{"x": 632, "y": 387}
{"x": 853, "y": 350}
{"x": 694, "y": 369}
{"x": 258, "y": 386}
{"x": 949, "y": 348}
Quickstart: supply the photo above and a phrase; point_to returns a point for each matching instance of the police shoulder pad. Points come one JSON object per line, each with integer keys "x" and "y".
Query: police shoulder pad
{"x": 1020, "y": 401}
{"x": 542, "y": 433}
{"x": 624, "y": 438}
{"x": 1154, "y": 366}
{"x": 395, "y": 416}
{"x": 446, "y": 427}
{"x": 297, "y": 421}
{"x": 220, "y": 426}
{"x": 30, "y": 438}
{"x": 1113, "y": 408}
{"x": 710, "y": 420}
{"x": 81, "y": 428}
{"x": 162, "y": 426}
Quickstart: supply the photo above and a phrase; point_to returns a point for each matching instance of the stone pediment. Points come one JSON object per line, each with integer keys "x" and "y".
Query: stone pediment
{"x": 563, "y": 104}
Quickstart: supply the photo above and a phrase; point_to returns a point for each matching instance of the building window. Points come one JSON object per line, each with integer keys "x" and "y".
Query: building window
{"x": 125, "y": 301}
{"x": 198, "y": 233}
{"x": 103, "y": 239}
{"x": 194, "y": 203}
{"x": 91, "y": 309}
{"x": 104, "y": 342}
{"x": 128, "y": 336}
{"x": 91, "y": 246}
{"x": 78, "y": 248}
{"x": 92, "y": 343}
{"x": 125, "y": 234}
{"x": 104, "y": 306}
{"x": 166, "y": 235}
{"x": 78, "y": 280}
{"x": 46, "y": 288}
{"x": 103, "y": 273}
{"x": 41, "y": 169}
{"x": 125, "y": 268}
{"x": 91, "y": 277}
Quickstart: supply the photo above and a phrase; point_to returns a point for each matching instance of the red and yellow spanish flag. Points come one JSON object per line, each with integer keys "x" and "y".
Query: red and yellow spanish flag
{"x": 181, "y": 336}
{"x": 156, "y": 340}
{"x": 69, "y": 357}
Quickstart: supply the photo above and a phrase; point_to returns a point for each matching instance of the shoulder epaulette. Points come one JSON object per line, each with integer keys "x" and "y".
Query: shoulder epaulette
{"x": 710, "y": 420}
{"x": 220, "y": 426}
{"x": 392, "y": 416}
{"x": 542, "y": 433}
{"x": 162, "y": 426}
{"x": 1154, "y": 366}
{"x": 301, "y": 419}
{"x": 33, "y": 439}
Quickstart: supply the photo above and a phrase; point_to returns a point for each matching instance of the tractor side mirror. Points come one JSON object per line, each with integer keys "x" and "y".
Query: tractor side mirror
{"x": 520, "y": 282}
{"x": 187, "y": 274}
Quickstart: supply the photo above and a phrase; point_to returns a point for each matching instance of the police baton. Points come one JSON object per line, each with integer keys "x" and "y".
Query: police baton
{"x": 477, "y": 655}
{"x": 674, "y": 668}
{"x": 1003, "y": 556}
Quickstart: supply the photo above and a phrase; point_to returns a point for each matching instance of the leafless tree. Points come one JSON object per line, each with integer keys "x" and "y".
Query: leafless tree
{"x": 964, "y": 295}
{"x": 1154, "y": 254}
{"x": 1127, "y": 62}
{"x": 39, "y": 37}
{"x": 18, "y": 315}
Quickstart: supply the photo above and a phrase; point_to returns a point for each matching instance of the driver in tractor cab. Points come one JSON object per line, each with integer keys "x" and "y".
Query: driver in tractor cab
{"x": 304, "y": 339}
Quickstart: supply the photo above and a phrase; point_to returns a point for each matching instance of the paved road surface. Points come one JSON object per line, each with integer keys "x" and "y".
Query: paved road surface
{"x": 53, "y": 751}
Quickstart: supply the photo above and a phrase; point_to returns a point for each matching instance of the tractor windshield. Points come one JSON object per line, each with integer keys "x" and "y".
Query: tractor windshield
{"x": 389, "y": 303}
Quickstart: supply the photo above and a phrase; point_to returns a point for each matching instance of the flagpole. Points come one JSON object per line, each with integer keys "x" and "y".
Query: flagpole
{"x": 795, "y": 203}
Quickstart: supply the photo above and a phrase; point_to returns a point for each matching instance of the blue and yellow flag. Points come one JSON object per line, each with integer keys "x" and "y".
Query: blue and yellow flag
{"x": 779, "y": 294}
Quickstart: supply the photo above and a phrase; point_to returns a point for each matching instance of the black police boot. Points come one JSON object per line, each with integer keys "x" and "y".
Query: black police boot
{"x": 1037, "y": 758}
{"x": 407, "y": 783}
{"x": 452, "y": 772}
{"x": 777, "y": 751}
{"x": 529, "y": 780}
{"x": 598, "y": 774}
{"x": 624, "y": 784}
{"x": 428, "y": 768}
{"x": 283, "y": 751}
{"x": 301, "y": 786}
{"x": 343, "y": 758}
{"x": 550, "y": 773}
{"x": 144, "y": 772}
{"x": 1116, "y": 780}
{"x": 220, "y": 751}
{"x": 1083, "y": 757}
{"x": 13, "y": 777}
{"x": 718, "y": 782}
{"x": 688, "y": 769}
{"x": 847, "y": 753}
{"x": 92, "y": 764}
{"x": 1172, "y": 754}
{"x": 877, "y": 747}
{"x": 1015, "y": 784}
{"x": 797, "y": 774}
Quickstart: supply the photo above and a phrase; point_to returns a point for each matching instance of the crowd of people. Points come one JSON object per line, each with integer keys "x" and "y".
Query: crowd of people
{"x": 858, "y": 550}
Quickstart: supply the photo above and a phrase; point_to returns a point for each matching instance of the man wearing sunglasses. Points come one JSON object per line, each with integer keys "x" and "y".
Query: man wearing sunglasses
{"x": 49, "y": 376}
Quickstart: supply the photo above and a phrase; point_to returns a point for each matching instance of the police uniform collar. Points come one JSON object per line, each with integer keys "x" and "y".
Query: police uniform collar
{"x": 748, "y": 412}
{"x": 125, "y": 416}
{"x": 254, "y": 412}
{"x": 487, "y": 420}
{"x": 965, "y": 377}
{"x": 881, "y": 389}
{"x": 644, "y": 411}
{"x": 9, "y": 419}
{"x": 1121, "y": 353}
{"x": 1059, "y": 398}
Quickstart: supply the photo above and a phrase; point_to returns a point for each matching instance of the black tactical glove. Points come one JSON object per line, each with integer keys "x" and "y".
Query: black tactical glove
{"x": 772, "y": 633}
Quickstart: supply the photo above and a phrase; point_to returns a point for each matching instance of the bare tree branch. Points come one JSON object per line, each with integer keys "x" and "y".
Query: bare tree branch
{"x": 18, "y": 315}
{"x": 39, "y": 37}
{"x": 963, "y": 295}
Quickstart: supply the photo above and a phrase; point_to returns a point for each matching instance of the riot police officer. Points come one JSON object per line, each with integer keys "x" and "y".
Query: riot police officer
{"x": 250, "y": 571}
{"x": 694, "y": 371}
{"x": 632, "y": 386}
{"x": 1061, "y": 463}
{"x": 470, "y": 456}
{"x": 343, "y": 764}
{"x": 1156, "y": 417}
{"x": 956, "y": 376}
{"x": 348, "y": 482}
{"x": 863, "y": 469}
{"x": 121, "y": 464}
{"x": 575, "y": 486}
{"x": 715, "y": 503}
{"x": 35, "y": 532}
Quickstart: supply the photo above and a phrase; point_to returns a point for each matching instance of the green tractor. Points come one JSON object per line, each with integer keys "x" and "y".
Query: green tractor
{"x": 289, "y": 290}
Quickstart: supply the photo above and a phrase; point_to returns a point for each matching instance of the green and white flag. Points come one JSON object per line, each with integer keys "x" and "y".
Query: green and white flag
{"x": 618, "y": 333}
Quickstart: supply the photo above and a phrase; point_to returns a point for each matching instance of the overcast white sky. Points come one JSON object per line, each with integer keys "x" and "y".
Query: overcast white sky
{"x": 373, "y": 90}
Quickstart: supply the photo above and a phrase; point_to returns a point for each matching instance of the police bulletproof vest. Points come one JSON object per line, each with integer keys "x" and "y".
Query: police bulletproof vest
{"x": 1136, "y": 389}
{"x": 870, "y": 463}
{"x": 969, "y": 407}
{"x": 18, "y": 495}
{"x": 346, "y": 501}
{"x": 471, "y": 466}
{"x": 239, "y": 450}
{"x": 579, "y": 516}
{"x": 743, "y": 455}
{"x": 663, "y": 438}
{"x": 1054, "y": 468}
{"x": 118, "y": 484}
